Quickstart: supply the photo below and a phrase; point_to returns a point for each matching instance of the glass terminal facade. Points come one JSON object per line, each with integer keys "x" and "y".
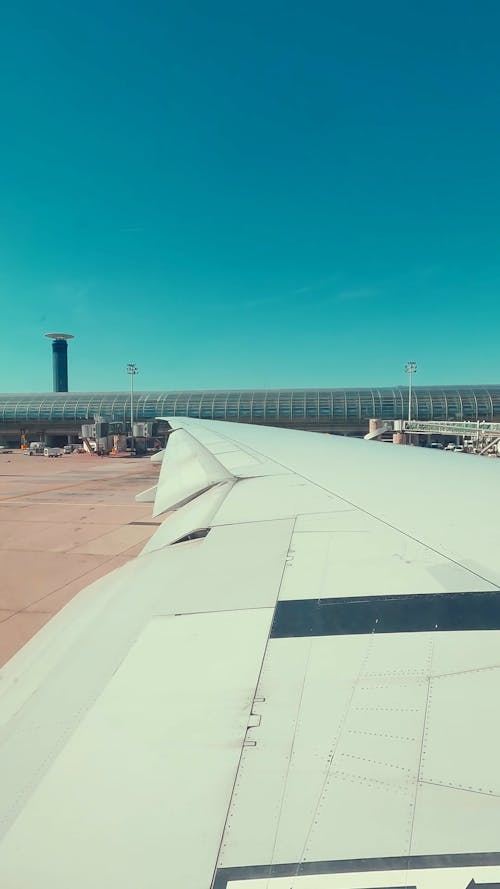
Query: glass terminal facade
{"x": 329, "y": 410}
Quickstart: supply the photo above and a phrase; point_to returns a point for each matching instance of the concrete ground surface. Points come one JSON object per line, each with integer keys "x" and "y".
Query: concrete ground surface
{"x": 64, "y": 523}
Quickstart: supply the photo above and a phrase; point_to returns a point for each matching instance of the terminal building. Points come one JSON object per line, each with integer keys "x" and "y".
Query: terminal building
{"x": 57, "y": 417}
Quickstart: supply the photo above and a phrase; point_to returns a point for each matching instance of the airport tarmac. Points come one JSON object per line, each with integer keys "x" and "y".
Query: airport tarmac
{"x": 64, "y": 523}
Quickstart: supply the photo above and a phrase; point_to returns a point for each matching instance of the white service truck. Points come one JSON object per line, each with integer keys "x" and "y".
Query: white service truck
{"x": 52, "y": 452}
{"x": 35, "y": 449}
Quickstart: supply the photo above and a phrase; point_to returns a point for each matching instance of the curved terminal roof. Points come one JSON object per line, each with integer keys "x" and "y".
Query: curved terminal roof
{"x": 296, "y": 407}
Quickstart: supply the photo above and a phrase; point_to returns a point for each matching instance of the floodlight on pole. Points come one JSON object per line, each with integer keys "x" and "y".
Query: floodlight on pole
{"x": 410, "y": 368}
{"x": 132, "y": 372}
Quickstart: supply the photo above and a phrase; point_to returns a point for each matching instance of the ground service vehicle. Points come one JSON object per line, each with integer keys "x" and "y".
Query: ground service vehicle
{"x": 35, "y": 449}
{"x": 52, "y": 452}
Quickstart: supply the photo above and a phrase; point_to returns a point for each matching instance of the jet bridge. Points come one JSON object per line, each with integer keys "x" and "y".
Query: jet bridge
{"x": 466, "y": 428}
{"x": 482, "y": 437}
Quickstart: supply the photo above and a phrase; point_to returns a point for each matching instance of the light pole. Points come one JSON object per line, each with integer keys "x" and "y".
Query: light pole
{"x": 410, "y": 368}
{"x": 132, "y": 372}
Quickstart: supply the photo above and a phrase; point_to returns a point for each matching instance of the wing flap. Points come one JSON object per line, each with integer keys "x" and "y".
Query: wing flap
{"x": 141, "y": 789}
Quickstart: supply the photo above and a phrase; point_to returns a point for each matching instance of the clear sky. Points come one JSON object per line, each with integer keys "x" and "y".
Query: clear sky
{"x": 250, "y": 194}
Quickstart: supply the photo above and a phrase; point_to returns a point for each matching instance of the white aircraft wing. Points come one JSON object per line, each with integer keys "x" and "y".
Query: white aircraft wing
{"x": 294, "y": 686}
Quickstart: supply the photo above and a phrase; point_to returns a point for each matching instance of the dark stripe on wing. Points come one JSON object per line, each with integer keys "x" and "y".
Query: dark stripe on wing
{"x": 420, "y": 613}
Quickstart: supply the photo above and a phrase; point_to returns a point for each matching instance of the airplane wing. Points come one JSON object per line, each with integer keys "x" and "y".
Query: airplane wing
{"x": 294, "y": 686}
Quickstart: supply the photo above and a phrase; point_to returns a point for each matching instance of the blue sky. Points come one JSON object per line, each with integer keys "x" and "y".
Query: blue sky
{"x": 240, "y": 195}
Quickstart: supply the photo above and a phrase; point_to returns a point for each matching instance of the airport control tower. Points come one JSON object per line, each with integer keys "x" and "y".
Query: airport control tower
{"x": 60, "y": 360}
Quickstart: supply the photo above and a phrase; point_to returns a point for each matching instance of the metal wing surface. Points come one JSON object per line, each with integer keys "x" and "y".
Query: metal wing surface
{"x": 294, "y": 686}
